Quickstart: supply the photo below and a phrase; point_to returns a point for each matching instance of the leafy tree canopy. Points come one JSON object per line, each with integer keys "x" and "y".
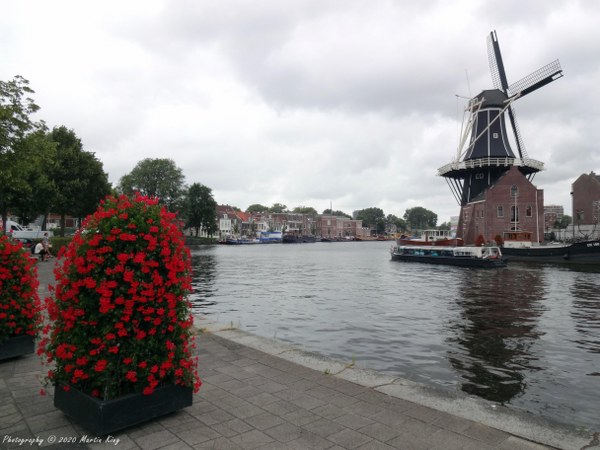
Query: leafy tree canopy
{"x": 16, "y": 107}
{"x": 159, "y": 178}
{"x": 278, "y": 208}
{"x": 372, "y": 218}
{"x": 394, "y": 220}
{"x": 305, "y": 210}
{"x": 257, "y": 208}
{"x": 20, "y": 156}
{"x": 201, "y": 209}
{"x": 419, "y": 218}
{"x": 78, "y": 176}
{"x": 563, "y": 222}
{"x": 329, "y": 212}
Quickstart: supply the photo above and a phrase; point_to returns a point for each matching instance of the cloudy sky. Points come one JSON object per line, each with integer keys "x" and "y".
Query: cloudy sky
{"x": 307, "y": 102}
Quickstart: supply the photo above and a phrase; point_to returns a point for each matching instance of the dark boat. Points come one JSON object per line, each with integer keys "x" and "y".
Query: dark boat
{"x": 485, "y": 257}
{"x": 518, "y": 246}
{"x": 294, "y": 239}
{"x": 586, "y": 252}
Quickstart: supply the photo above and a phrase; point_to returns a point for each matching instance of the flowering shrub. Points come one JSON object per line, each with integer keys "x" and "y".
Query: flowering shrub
{"x": 120, "y": 318}
{"x": 19, "y": 300}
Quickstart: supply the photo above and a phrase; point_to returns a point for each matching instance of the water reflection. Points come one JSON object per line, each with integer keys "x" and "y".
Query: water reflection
{"x": 586, "y": 312}
{"x": 492, "y": 341}
{"x": 204, "y": 273}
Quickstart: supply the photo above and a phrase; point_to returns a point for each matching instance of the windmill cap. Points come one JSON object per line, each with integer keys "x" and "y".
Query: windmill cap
{"x": 492, "y": 98}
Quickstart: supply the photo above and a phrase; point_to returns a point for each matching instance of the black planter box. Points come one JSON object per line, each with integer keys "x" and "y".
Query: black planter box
{"x": 102, "y": 417}
{"x": 17, "y": 346}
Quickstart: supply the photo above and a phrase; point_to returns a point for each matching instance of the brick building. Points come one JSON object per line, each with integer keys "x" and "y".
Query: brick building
{"x": 552, "y": 213}
{"x": 512, "y": 203}
{"x": 586, "y": 199}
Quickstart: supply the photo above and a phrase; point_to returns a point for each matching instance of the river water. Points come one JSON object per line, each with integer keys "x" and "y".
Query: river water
{"x": 525, "y": 335}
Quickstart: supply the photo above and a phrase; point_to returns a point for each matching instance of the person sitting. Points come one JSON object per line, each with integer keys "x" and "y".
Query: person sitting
{"x": 40, "y": 251}
{"x": 46, "y": 245}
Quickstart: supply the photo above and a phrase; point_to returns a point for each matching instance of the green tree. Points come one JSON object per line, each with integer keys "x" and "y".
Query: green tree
{"x": 372, "y": 218}
{"x": 16, "y": 161}
{"x": 445, "y": 226}
{"x": 78, "y": 176}
{"x": 278, "y": 208}
{"x": 305, "y": 210}
{"x": 201, "y": 209}
{"x": 32, "y": 190}
{"x": 257, "y": 208}
{"x": 397, "y": 221}
{"x": 159, "y": 178}
{"x": 563, "y": 222}
{"x": 329, "y": 212}
{"x": 419, "y": 218}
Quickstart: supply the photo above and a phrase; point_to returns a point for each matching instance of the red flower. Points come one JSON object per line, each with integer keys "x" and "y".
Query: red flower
{"x": 100, "y": 365}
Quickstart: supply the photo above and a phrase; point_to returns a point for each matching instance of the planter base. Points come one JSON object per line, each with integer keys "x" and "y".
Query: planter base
{"x": 17, "y": 346}
{"x": 102, "y": 417}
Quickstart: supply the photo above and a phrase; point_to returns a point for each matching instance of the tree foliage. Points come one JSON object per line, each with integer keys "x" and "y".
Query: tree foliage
{"x": 563, "y": 222}
{"x": 329, "y": 212}
{"x": 305, "y": 210}
{"x": 16, "y": 108}
{"x": 391, "y": 219}
{"x": 372, "y": 218}
{"x": 20, "y": 159}
{"x": 159, "y": 178}
{"x": 78, "y": 177}
{"x": 419, "y": 218}
{"x": 257, "y": 208}
{"x": 201, "y": 209}
{"x": 278, "y": 208}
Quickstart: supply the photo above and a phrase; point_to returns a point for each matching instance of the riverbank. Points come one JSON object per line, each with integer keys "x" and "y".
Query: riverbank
{"x": 262, "y": 394}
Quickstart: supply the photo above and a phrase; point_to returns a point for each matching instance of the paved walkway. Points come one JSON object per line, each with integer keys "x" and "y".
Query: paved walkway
{"x": 253, "y": 400}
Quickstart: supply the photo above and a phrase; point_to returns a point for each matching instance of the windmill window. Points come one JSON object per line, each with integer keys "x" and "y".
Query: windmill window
{"x": 514, "y": 214}
{"x": 495, "y": 135}
{"x": 528, "y": 211}
{"x": 500, "y": 211}
{"x": 479, "y": 176}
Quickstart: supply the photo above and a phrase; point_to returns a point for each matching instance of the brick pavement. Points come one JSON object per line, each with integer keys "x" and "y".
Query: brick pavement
{"x": 251, "y": 400}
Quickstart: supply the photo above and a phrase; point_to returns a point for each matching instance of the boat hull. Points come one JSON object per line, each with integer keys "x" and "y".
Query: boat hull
{"x": 587, "y": 252}
{"x": 451, "y": 261}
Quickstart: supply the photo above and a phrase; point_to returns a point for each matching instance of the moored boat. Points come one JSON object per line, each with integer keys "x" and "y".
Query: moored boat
{"x": 431, "y": 237}
{"x": 485, "y": 257}
{"x": 519, "y": 247}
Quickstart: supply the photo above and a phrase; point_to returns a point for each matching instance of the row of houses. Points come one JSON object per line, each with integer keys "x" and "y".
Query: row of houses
{"x": 234, "y": 223}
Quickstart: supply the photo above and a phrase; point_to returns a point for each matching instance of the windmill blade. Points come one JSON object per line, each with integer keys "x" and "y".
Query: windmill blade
{"x": 513, "y": 121}
{"x": 536, "y": 80}
{"x": 496, "y": 64}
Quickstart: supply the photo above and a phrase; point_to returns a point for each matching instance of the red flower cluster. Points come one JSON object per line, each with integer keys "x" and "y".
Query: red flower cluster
{"x": 19, "y": 300}
{"x": 120, "y": 321}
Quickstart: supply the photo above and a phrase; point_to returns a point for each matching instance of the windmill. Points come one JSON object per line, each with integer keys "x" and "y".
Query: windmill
{"x": 484, "y": 152}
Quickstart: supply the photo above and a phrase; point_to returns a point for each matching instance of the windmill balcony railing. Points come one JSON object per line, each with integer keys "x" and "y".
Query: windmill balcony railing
{"x": 487, "y": 162}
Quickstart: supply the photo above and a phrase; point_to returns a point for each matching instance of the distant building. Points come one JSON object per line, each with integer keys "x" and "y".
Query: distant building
{"x": 586, "y": 199}
{"x": 552, "y": 213}
{"x": 328, "y": 226}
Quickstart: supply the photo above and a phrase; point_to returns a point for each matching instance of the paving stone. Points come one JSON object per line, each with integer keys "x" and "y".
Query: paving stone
{"x": 486, "y": 434}
{"x": 349, "y": 438}
{"x": 353, "y": 421}
{"x": 380, "y": 431}
{"x": 285, "y": 432}
{"x": 308, "y": 440}
{"x": 264, "y": 421}
{"x": 157, "y": 440}
{"x": 252, "y": 439}
{"x": 324, "y": 427}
